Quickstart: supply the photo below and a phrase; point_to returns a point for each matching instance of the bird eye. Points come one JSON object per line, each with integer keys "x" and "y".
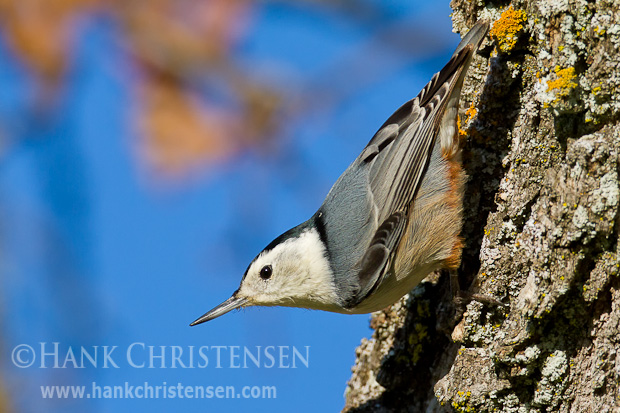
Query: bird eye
{"x": 265, "y": 272}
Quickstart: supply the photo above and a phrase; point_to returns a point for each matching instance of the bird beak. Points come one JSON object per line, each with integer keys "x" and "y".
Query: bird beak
{"x": 228, "y": 305}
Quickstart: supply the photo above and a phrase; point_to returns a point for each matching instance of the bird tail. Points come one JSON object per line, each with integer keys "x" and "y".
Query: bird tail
{"x": 454, "y": 73}
{"x": 474, "y": 36}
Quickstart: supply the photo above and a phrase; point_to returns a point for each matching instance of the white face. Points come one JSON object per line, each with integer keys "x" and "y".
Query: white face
{"x": 294, "y": 273}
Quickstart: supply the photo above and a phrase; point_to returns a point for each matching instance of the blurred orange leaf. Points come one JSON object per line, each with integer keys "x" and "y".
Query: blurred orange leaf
{"x": 41, "y": 31}
{"x": 180, "y": 133}
{"x": 172, "y": 42}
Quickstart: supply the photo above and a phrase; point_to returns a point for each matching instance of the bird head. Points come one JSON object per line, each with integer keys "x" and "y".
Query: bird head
{"x": 292, "y": 271}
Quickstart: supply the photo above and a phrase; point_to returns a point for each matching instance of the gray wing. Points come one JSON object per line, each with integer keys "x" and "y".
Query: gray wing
{"x": 398, "y": 155}
{"x": 377, "y": 256}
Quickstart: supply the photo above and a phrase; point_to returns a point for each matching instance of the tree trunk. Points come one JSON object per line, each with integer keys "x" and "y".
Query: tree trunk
{"x": 542, "y": 142}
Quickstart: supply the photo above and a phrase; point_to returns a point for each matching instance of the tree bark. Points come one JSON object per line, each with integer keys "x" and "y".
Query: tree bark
{"x": 542, "y": 143}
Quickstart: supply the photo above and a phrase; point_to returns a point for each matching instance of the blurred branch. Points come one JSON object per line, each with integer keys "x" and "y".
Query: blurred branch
{"x": 177, "y": 44}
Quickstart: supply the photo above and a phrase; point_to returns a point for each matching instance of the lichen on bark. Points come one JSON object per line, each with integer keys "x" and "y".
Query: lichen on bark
{"x": 541, "y": 230}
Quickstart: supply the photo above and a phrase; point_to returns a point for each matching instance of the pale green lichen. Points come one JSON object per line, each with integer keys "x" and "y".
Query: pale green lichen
{"x": 553, "y": 379}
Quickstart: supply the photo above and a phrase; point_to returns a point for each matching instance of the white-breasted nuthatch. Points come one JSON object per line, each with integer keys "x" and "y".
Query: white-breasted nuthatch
{"x": 393, "y": 216}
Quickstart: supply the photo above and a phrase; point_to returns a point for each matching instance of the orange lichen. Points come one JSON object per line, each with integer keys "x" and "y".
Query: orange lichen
{"x": 505, "y": 30}
{"x": 469, "y": 113}
{"x": 564, "y": 82}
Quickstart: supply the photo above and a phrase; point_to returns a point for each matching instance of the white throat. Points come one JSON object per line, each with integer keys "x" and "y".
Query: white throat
{"x": 314, "y": 276}
{"x": 305, "y": 277}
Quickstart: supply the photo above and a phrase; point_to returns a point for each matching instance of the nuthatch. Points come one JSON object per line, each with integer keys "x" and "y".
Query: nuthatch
{"x": 392, "y": 217}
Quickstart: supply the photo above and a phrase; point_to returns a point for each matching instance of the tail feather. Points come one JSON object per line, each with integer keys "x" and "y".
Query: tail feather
{"x": 448, "y": 136}
{"x": 474, "y": 36}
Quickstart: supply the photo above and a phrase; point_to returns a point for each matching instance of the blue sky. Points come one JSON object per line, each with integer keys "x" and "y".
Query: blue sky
{"x": 94, "y": 254}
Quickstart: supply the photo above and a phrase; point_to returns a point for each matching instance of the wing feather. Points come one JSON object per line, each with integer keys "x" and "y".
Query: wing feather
{"x": 399, "y": 153}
